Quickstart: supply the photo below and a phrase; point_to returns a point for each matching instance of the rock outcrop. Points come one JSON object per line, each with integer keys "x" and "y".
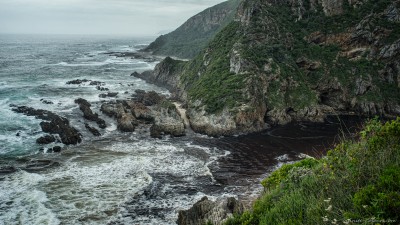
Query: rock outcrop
{"x": 88, "y": 114}
{"x": 206, "y": 211}
{"x": 281, "y": 61}
{"x": 55, "y": 125}
{"x": 147, "y": 109}
{"x": 167, "y": 121}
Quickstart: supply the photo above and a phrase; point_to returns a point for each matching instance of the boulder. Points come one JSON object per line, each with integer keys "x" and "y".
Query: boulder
{"x": 205, "y": 211}
{"x": 139, "y": 110}
{"x": 127, "y": 122}
{"x": 108, "y": 95}
{"x": 78, "y": 81}
{"x": 56, "y": 149}
{"x": 167, "y": 121}
{"x": 149, "y": 98}
{"x": 46, "y": 139}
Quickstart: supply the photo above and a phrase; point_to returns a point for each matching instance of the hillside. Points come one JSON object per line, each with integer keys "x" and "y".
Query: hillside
{"x": 349, "y": 186}
{"x": 190, "y": 38}
{"x": 281, "y": 61}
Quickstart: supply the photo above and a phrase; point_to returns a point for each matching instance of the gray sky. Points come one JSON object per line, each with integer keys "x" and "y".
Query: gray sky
{"x": 128, "y": 17}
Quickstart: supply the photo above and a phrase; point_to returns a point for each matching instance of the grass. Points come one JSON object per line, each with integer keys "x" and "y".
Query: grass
{"x": 356, "y": 183}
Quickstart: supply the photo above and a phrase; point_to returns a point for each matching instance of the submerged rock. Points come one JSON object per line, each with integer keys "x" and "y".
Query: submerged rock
{"x": 108, "y": 95}
{"x": 78, "y": 81}
{"x": 92, "y": 130}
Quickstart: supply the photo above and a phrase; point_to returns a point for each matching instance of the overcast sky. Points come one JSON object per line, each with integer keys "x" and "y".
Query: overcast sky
{"x": 127, "y": 17}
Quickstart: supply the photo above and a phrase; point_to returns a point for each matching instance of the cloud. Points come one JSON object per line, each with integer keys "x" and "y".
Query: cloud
{"x": 134, "y": 17}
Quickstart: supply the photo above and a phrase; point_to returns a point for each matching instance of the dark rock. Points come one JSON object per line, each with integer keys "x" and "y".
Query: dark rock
{"x": 46, "y": 139}
{"x": 38, "y": 165}
{"x": 68, "y": 134}
{"x": 56, "y": 125}
{"x": 18, "y": 134}
{"x": 78, "y": 81}
{"x": 7, "y": 170}
{"x": 102, "y": 88}
{"x": 135, "y": 74}
{"x": 92, "y": 130}
{"x": 96, "y": 83}
{"x": 109, "y": 95}
{"x": 56, "y": 149}
{"x": 88, "y": 114}
{"x": 148, "y": 98}
{"x": 205, "y": 211}
{"x": 46, "y": 101}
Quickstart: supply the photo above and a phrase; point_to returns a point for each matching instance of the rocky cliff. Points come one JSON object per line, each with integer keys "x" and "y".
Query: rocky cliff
{"x": 190, "y": 38}
{"x": 291, "y": 60}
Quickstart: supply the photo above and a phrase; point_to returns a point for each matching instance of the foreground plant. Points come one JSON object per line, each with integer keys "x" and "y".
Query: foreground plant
{"x": 358, "y": 182}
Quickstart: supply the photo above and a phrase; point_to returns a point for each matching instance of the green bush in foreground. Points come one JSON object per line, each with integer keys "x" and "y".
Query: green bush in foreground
{"x": 358, "y": 182}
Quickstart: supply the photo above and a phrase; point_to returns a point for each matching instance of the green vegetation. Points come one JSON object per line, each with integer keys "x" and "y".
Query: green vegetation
{"x": 189, "y": 39}
{"x": 216, "y": 86}
{"x": 356, "y": 183}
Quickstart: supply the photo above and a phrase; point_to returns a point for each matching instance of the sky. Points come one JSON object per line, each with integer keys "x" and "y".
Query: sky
{"x": 106, "y": 17}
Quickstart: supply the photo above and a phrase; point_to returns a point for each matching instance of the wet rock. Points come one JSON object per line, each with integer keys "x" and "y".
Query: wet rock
{"x": 78, "y": 81}
{"x": 102, "y": 88}
{"x": 69, "y": 135}
{"x": 109, "y": 95}
{"x": 56, "y": 125}
{"x": 46, "y": 139}
{"x": 7, "y": 170}
{"x": 139, "y": 110}
{"x": 92, "y": 130}
{"x": 205, "y": 211}
{"x": 149, "y": 98}
{"x": 56, "y": 149}
{"x": 127, "y": 122}
{"x": 38, "y": 165}
{"x": 108, "y": 109}
{"x": 96, "y": 83}
{"x": 88, "y": 114}
{"x": 47, "y": 102}
{"x": 135, "y": 74}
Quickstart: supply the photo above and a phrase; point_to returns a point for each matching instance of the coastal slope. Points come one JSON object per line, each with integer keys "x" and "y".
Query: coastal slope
{"x": 190, "y": 38}
{"x": 281, "y": 61}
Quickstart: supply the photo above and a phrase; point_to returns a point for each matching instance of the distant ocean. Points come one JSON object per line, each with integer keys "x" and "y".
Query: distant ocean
{"x": 116, "y": 178}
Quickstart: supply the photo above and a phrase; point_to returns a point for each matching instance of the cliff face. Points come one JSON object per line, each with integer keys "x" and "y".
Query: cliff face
{"x": 190, "y": 38}
{"x": 285, "y": 60}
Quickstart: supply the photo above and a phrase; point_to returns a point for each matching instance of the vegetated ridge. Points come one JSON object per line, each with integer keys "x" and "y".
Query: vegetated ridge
{"x": 190, "y": 38}
{"x": 291, "y": 60}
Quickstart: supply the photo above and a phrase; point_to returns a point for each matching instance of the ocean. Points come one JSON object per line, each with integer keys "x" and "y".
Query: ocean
{"x": 118, "y": 178}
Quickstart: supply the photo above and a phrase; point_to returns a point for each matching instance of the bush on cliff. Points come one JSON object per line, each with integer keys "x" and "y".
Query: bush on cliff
{"x": 357, "y": 182}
